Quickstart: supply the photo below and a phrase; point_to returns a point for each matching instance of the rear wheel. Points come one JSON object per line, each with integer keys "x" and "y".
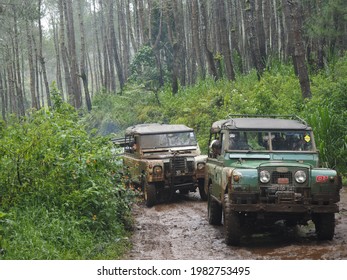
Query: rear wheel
{"x": 214, "y": 210}
{"x": 325, "y": 225}
{"x": 150, "y": 195}
{"x": 232, "y": 224}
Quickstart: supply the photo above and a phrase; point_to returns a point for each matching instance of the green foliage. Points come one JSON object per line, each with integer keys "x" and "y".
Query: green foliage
{"x": 144, "y": 70}
{"x": 277, "y": 93}
{"x": 55, "y": 177}
{"x": 37, "y": 233}
{"x": 113, "y": 113}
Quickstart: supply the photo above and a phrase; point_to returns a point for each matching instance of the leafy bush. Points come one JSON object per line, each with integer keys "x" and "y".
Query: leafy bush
{"x": 277, "y": 93}
{"x": 55, "y": 177}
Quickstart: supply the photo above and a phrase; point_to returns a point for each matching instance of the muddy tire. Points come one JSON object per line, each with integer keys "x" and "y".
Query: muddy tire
{"x": 325, "y": 225}
{"x": 232, "y": 225}
{"x": 203, "y": 194}
{"x": 150, "y": 195}
{"x": 214, "y": 210}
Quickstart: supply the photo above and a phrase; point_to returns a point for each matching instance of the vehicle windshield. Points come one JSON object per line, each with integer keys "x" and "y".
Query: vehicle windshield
{"x": 270, "y": 140}
{"x": 168, "y": 140}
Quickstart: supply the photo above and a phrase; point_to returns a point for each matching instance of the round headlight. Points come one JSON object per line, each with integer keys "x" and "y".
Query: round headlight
{"x": 201, "y": 165}
{"x": 157, "y": 170}
{"x": 264, "y": 176}
{"x": 300, "y": 176}
{"x": 237, "y": 176}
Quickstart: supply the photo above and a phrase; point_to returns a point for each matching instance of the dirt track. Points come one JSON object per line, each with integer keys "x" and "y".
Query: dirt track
{"x": 180, "y": 230}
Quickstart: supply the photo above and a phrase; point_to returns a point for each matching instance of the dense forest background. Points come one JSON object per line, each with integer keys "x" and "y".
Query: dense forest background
{"x": 92, "y": 46}
{"x": 75, "y": 73}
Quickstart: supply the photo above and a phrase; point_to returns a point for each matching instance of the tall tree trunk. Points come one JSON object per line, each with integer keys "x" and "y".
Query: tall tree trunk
{"x": 64, "y": 52}
{"x": 34, "y": 101}
{"x": 57, "y": 55}
{"x": 83, "y": 67}
{"x": 3, "y": 98}
{"x": 196, "y": 39}
{"x": 97, "y": 57}
{"x": 77, "y": 96}
{"x": 124, "y": 42}
{"x": 224, "y": 37}
{"x": 115, "y": 49}
{"x": 16, "y": 67}
{"x": 252, "y": 39}
{"x": 295, "y": 28}
{"x": 209, "y": 55}
{"x": 42, "y": 59}
{"x": 130, "y": 27}
{"x": 260, "y": 30}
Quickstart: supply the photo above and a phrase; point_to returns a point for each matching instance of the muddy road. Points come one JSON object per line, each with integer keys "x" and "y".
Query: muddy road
{"x": 180, "y": 230}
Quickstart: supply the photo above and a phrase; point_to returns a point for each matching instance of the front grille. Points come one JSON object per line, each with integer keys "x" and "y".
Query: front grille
{"x": 178, "y": 166}
{"x": 278, "y": 178}
{"x": 283, "y": 188}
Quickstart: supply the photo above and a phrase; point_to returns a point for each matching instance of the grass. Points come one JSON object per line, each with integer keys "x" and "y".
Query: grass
{"x": 43, "y": 234}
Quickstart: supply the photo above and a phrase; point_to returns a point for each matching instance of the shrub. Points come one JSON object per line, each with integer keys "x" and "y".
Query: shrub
{"x": 53, "y": 169}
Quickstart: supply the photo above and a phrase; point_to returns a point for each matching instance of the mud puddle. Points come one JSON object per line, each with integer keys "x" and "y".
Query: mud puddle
{"x": 180, "y": 230}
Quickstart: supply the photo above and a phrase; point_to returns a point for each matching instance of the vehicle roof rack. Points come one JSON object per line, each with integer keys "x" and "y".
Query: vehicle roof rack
{"x": 122, "y": 142}
{"x": 290, "y": 117}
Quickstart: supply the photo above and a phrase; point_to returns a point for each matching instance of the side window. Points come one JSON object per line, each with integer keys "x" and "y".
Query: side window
{"x": 215, "y": 146}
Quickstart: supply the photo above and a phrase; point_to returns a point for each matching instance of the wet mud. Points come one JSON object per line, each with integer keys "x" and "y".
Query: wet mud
{"x": 179, "y": 230}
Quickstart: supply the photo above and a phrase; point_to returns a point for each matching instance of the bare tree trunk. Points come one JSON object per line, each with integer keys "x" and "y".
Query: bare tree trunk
{"x": 16, "y": 67}
{"x": 298, "y": 49}
{"x": 130, "y": 27}
{"x": 11, "y": 88}
{"x": 209, "y": 54}
{"x": 97, "y": 58}
{"x": 77, "y": 96}
{"x": 42, "y": 60}
{"x": 260, "y": 31}
{"x": 64, "y": 52}
{"x": 83, "y": 68}
{"x": 124, "y": 42}
{"x": 224, "y": 37}
{"x": 115, "y": 49}
{"x": 253, "y": 43}
{"x": 34, "y": 101}
{"x": 196, "y": 39}
{"x": 57, "y": 55}
{"x": 3, "y": 99}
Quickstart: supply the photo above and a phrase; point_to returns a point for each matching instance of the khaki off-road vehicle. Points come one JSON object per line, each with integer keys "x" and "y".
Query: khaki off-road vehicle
{"x": 163, "y": 158}
{"x": 265, "y": 170}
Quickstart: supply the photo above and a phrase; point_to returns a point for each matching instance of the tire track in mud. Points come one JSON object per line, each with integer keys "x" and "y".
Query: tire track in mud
{"x": 179, "y": 230}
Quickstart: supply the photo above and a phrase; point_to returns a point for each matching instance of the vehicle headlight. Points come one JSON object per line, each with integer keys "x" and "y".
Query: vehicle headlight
{"x": 201, "y": 165}
{"x": 264, "y": 176}
{"x": 300, "y": 176}
{"x": 237, "y": 176}
{"x": 157, "y": 170}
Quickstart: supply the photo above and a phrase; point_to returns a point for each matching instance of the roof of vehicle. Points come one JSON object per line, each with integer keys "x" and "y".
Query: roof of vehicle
{"x": 260, "y": 123}
{"x": 155, "y": 128}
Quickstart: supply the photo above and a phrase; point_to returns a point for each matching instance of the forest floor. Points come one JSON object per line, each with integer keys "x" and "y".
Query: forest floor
{"x": 179, "y": 230}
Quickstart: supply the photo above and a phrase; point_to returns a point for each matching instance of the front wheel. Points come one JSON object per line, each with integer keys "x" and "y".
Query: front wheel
{"x": 325, "y": 225}
{"x": 214, "y": 211}
{"x": 232, "y": 224}
{"x": 150, "y": 195}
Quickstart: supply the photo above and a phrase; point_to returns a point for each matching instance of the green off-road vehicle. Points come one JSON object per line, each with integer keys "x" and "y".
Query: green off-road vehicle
{"x": 163, "y": 158}
{"x": 265, "y": 170}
